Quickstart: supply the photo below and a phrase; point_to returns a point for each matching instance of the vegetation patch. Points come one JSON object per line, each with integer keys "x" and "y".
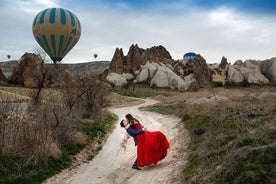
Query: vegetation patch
{"x": 140, "y": 92}
{"x": 57, "y": 123}
{"x": 231, "y": 142}
{"x": 30, "y": 171}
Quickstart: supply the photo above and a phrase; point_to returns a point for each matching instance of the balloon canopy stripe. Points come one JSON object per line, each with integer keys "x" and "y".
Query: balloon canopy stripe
{"x": 71, "y": 45}
{"x": 53, "y": 43}
{"x": 35, "y": 20}
{"x": 67, "y": 44}
{"x": 52, "y": 16}
{"x": 56, "y": 30}
{"x": 73, "y": 22}
{"x": 46, "y": 45}
{"x": 62, "y": 16}
{"x": 39, "y": 42}
{"x": 42, "y": 17}
{"x": 61, "y": 40}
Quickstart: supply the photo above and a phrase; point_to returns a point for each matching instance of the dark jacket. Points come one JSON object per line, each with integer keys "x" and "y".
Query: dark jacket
{"x": 132, "y": 132}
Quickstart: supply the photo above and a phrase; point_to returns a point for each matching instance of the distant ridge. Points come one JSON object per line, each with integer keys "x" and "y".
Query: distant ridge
{"x": 94, "y": 67}
{"x": 7, "y": 67}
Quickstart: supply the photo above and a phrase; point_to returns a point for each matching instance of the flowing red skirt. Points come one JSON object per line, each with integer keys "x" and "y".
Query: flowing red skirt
{"x": 151, "y": 148}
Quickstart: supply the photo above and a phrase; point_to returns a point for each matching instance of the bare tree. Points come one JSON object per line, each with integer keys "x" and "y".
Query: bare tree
{"x": 93, "y": 97}
{"x": 44, "y": 75}
{"x": 72, "y": 94}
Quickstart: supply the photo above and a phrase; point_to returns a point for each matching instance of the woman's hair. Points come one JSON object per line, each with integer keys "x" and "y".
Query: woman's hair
{"x": 131, "y": 119}
{"x": 122, "y": 123}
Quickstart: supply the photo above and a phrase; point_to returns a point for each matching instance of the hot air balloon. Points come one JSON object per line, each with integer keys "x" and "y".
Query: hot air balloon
{"x": 8, "y": 56}
{"x": 189, "y": 55}
{"x": 57, "y": 31}
{"x": 95, "y": 56}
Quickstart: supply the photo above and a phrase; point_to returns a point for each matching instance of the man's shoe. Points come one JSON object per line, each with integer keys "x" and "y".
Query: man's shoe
{"x": 135, "y": 167}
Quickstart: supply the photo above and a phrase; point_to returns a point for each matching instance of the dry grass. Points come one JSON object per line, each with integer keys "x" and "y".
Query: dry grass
{"x": 231, "y": 141}
{"x": 116, "y": 100}
{"x": 221, "y": 132}
{"x": 47, "y": 132}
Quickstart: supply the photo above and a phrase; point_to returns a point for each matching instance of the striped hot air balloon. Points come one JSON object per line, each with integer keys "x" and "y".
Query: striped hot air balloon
{"x": 57, "y": 31}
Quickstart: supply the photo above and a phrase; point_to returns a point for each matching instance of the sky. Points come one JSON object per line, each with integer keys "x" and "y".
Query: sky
{"x": 235, "y": 29}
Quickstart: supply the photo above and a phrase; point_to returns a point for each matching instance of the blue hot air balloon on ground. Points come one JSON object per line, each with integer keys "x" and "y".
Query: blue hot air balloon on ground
{"x": 57, "y": 31}
{"x": 189, "y": 55}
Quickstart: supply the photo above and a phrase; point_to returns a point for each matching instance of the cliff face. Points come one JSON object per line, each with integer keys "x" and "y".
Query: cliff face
{"x": 117, "y": 62}
{"x": 3, "y": 79}
{"x": 26, "y": 71}
{"x": 7, "y": 68}
{"x": 136, "y": 57}
{"x": 201, "y": 71}
{"x": 30, "y": 71}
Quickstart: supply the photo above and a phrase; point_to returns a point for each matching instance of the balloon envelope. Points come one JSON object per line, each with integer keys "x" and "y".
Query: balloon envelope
{"x": 8, "y": 56}
{"x": 189, "y": 55}
{"x": 95, "y": 56}
{"x": 57, "y": 31}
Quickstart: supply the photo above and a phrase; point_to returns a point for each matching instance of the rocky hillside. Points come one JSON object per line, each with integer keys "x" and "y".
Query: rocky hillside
{"x": 137, "y": 57}
{"x": 155, "y": 67}
{"x": 3, "y": 78}
{"x": 7, "y": 67}
{"x": 97, "y": 67}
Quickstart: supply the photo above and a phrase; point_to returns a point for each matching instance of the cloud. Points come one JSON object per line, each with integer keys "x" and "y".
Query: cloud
{"x": 16, "y": 26}
{"x": 180, "y": 27}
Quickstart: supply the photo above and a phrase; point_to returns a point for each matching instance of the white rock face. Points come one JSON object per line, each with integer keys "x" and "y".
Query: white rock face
{"x": 268, "y": 68}
{"x": 250, "y": 71}
{"x": 143, "y": 76}
{"x": 161, "y": 75}
{"x": 160, "y": 79}
{"x": 147, "y": 72}
{"x": 116, "y": 79}
{"x": 127, "y": 76}
{"x": 234, "y": 74}
{"x": 253, "y": 75}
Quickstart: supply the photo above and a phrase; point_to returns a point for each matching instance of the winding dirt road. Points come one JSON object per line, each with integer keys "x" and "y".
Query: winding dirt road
{"x": 112, "y": 165}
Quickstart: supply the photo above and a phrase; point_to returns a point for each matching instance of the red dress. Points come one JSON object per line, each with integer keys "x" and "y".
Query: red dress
{"x": 151, "y": 147}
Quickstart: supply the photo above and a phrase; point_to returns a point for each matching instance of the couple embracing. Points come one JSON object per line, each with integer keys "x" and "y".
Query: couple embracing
{"x": 152, "y": 146}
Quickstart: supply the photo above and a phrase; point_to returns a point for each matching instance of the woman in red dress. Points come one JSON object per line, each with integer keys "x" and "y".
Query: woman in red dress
{"x": 152, "y": 146}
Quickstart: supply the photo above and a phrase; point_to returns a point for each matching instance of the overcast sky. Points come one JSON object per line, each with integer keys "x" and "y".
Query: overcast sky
{"x": 236, "y": 29}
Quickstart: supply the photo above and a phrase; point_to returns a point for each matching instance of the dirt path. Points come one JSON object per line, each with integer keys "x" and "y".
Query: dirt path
{"x": 112, "y": 165}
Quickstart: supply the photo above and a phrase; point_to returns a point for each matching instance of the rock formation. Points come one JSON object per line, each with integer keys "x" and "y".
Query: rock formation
{"x": 219, "y": 72}
{"x": 26, "y": 70}
{"x": 200, "y": 69}
{"x": 136, "y": 57}
{"x": 161, "y": 75}
{"x": 234, "y": 75}
{"x": 155, "y": 67}
{"x": 116, "y": 80}
{"x": 3, "y": 79}
{"x": 223, "y": 64}
{"x": 247, "y": 72}
{"x": 118, "y": 62}
{"x": 30, "y": 71}
{"x": 268, "y": 68}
